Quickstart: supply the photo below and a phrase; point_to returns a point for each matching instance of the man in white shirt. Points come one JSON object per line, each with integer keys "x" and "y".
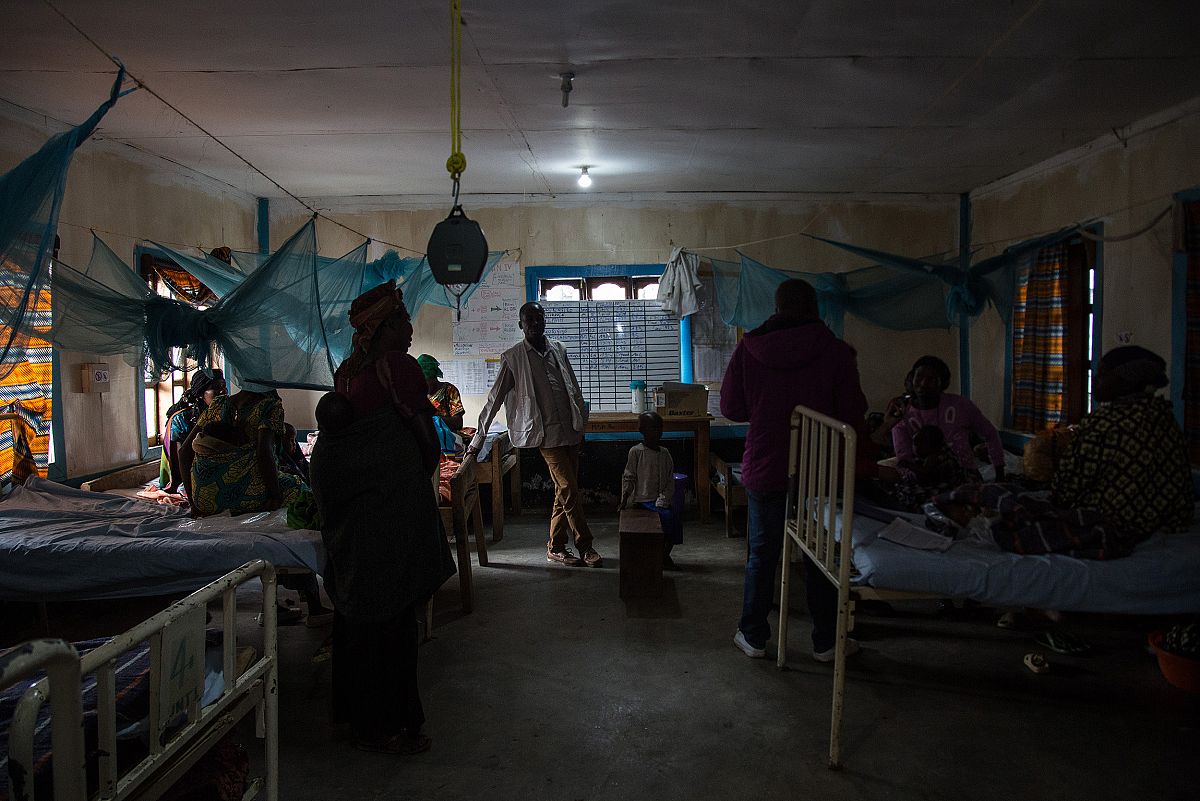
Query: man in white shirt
{"x": 545, "y": 410}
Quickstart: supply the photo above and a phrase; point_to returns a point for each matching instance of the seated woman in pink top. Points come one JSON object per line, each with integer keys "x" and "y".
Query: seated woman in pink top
{"x": 955, "y": 415}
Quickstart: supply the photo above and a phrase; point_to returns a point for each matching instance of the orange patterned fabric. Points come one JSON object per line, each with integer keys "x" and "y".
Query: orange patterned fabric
{"x": 1039, "y": 331}
{"x": 25, "y": 396}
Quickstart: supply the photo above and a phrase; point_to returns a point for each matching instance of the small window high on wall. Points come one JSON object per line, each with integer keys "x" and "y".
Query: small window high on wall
{"x": 612, "y": 287}
{"x": 1053, "y": 343}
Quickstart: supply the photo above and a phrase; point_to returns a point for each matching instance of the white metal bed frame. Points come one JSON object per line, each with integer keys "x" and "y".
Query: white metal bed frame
{"x": 255, "y": 689}
{"x": 820, "y": 469}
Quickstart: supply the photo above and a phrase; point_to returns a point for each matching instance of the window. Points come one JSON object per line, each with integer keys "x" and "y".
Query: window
{"x": 609, "y": 287}
{"x": 168, "y": 280}
{"x": 1052, "y": 337}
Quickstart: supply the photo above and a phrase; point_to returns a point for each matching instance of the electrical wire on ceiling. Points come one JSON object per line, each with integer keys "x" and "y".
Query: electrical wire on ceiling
{"x": 142, "y": 84}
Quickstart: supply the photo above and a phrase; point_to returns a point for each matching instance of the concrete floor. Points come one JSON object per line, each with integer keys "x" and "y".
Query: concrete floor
{"x": 554, "y": 688}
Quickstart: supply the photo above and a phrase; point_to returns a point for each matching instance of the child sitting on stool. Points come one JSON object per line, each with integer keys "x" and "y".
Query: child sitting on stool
{"x": 649, "y": 482}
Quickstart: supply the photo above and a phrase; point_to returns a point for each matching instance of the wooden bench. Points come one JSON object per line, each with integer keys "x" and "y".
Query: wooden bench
{"x": 504, "y": 459}
{"x": 732, "y": 493}
{"x": 641, "y": 554}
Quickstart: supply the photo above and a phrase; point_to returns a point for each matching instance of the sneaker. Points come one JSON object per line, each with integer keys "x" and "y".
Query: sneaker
{"x": 592, "y": 559}
{"x": 564, "y": 557}
{"x": 749, "y": 650}
{"x": 828, "y": 656}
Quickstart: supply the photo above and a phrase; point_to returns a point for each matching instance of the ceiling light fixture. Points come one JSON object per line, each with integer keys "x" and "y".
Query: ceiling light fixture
{"x": 585, "y": 180}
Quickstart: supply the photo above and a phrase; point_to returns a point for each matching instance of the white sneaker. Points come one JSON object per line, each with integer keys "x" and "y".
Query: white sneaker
{"x": 828, "y": 656}
{"x": 749, "y": 650}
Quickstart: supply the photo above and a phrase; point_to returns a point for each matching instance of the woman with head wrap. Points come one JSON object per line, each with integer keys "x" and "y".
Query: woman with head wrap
{"x": 1124, "y": 476}
{"x": 181, "y": 418}
{"x": 445, "y": 397}
{"x": 381, "y": 526}
{"x": 1128, "y": 459}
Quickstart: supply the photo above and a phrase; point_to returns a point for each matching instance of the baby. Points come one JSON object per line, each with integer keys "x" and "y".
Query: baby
{"x": 649, "y": 481}
{"x": 334, "y": 412}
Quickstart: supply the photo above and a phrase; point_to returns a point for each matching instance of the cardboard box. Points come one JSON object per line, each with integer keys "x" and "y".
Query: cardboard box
{"x": 681, "y": 400}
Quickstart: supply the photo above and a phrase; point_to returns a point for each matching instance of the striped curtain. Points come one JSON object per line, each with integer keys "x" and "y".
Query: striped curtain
{"x": 1191, "y": 383}
{"x": 25, "y": 393}
{"x": 1039, "y": 333}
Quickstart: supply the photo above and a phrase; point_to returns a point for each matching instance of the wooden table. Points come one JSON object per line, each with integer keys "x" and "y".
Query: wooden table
{"x": 613, "y": 422}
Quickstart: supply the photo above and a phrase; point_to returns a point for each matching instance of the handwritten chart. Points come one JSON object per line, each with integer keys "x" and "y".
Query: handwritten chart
{"x": 489, "y": 318}
{"x": 611, "y": 343}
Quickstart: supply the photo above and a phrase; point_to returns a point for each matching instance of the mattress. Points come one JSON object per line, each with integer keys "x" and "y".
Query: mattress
{"x": 58, "y": 543}
{"x": 1161, "y": 576}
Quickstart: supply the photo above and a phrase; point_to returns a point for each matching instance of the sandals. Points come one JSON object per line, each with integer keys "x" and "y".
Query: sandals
{"x": 1062, "y": 643}
{"x": 400, "y": 744}
{"x": 1037, "y": 663}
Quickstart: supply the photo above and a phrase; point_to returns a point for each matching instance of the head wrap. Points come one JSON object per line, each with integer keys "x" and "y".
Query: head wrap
{"x": 429, "y": 366}
{"x": 1138, "y": 367}
{"x": 202, "y": 379}
{"x": 370, "y": 309}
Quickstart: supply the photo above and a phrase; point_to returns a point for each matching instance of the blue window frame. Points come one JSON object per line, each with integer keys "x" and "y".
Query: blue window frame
{"x": 535, "y": 275}
{"x": 1179, "y": 261}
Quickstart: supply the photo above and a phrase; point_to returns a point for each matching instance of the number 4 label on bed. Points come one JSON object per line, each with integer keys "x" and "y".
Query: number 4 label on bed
{"x": 180, "y": 669}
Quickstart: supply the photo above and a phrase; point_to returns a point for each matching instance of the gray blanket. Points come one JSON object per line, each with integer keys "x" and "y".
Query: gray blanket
{"x": 382, "y": 529}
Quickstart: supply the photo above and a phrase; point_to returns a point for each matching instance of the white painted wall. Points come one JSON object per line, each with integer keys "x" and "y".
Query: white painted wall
{"x": 126, "y": 197}
{"x": 566, "y": 233}
{"x": 1123, "y": 180}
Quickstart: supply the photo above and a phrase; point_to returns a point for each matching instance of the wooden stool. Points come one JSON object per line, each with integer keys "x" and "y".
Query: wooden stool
{"x": 641, "y": 554}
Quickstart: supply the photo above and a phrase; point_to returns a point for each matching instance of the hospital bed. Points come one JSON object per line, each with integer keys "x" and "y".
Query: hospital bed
{"x": 1159, "y": 577}
{"x": 186, "y": 712}
{"x": 61, "y": 544}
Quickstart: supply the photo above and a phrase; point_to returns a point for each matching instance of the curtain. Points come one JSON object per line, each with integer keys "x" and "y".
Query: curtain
{"x": 1039, "y": 334}
{"x": 25, "y": 396}
{"x": 1191, "y": 383}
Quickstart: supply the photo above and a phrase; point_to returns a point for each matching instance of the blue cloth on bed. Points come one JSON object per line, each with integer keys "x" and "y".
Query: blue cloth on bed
{"x": 58, "y": 543}
{"x": 1161, "y": 576}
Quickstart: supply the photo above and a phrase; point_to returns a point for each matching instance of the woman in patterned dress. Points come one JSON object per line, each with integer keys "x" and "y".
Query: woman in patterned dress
{"x": 229, "y": 460}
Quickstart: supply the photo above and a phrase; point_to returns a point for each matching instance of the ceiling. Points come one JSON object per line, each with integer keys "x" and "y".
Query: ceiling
{"x": 696, "y": 97}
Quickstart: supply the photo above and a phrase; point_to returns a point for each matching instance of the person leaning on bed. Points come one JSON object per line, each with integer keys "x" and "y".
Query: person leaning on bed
{"x": 546, "y": 411}
{"x": 387, "y": 553}
{"x": 791, "y": 359}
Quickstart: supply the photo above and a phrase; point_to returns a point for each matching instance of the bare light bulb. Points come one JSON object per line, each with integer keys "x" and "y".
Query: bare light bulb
{"x": 585, "y": 180}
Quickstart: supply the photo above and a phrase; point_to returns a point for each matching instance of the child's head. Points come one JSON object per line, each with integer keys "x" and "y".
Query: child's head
{"x": 927, "y": 441}
{"x": 650, "y": 426}
{"x": 334, "y": 413}
{"x": 289, "y": 439}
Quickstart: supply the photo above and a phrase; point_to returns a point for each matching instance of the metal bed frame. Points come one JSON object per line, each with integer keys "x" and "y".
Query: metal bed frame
{"x": 820, "y": 470}
{"x": 176, "y": 685}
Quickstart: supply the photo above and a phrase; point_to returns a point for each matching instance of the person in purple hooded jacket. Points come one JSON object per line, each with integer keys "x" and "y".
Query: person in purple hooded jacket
{"x": 792, "y": 359}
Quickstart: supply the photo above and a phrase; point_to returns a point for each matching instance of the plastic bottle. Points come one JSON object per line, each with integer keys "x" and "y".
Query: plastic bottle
{"x": 638, "y": 396}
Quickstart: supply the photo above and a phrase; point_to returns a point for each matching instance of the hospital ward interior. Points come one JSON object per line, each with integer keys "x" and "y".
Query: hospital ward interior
{"x": 457, "y": 399}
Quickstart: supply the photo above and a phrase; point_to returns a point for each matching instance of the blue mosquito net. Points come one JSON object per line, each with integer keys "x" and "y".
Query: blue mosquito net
{"x": 896, "y": 292}
{"x": 30, "y": 198}
{"x": 284, "y": 324}
{"x": 411, "y": 274}
{"x": 270, "y": 327}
